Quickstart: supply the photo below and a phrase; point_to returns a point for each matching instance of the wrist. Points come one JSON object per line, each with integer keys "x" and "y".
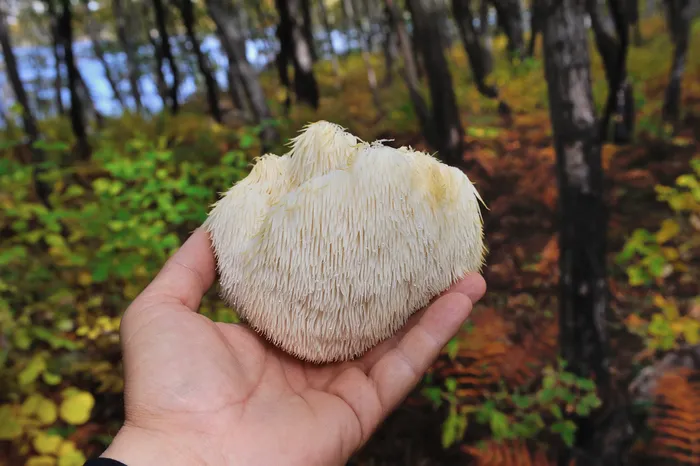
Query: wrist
{"x": 135, "y": 446}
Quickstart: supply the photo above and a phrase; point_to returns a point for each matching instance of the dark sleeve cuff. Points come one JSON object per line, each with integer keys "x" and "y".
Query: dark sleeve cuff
{"x": 103, "y": 462}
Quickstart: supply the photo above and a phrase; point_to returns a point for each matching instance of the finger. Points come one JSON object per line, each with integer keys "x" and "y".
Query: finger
{"x": 472, "y": 285}
{"x": 402, "y": 367}
{"x": 186, "y": 276}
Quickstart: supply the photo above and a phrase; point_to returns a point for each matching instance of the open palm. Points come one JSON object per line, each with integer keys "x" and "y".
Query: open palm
{"x": 200, "y": 392}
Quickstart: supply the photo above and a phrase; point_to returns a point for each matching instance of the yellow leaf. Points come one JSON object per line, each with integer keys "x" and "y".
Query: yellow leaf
{"x": 47, "y": 444}
{"x": 46, "y": 412}
{"x": 31, "y": 404}
{"x": 42, "y": 460}
{"x": 77, "y": 407}
{"x": 10, "y": 428}
{"x": 669, "y": 229}
{"x": 69, "y": 455}
{"x": 84, "y": 278}
{"x": 691, "y": 332}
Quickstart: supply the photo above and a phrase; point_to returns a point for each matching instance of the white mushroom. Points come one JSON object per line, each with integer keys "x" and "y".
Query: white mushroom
{"x": 329, "y": 249}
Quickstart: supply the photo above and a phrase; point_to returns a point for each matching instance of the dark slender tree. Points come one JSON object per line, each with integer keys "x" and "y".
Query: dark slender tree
{"x": 166, "y": 51}
{"x": 582, "y": 219}
{"x": 187, "y": 11}
{"x": 229, "y": 29}
{"x": 77, "y": 116}
{"x": 510, "y": 18}
{"x": 295, "y": 48}
{"x": 124, "y": 38}
{"x": 28, "y": 120}
{"x": 57, "y": 51}
{"x": 475, "y": 51}
{"x": 93, "y": 30}
{"x": 410, "y": 72}
{"x": 448, "y": 136}
{"x": 388, "y": 46}
{"x": 678, "y": 15}
{"x": 612, "y": 43}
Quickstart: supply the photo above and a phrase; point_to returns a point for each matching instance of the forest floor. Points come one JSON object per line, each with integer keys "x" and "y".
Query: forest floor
{"x": 512, "y": 335}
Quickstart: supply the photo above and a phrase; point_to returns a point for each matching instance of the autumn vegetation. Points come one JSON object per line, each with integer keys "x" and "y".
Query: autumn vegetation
{"x": 93, "y": 204}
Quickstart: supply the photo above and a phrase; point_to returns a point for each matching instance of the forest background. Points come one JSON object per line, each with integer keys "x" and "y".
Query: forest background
{"x": 121, "y": 121}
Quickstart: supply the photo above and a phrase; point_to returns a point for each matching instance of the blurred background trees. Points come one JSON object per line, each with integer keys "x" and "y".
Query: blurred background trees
{"x": 122, "y": 120}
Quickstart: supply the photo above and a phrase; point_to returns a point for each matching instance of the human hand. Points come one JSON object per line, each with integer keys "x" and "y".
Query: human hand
{"x": 201, "y": 392}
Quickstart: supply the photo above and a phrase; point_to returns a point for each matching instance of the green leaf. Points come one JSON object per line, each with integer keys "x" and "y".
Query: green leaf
{"x": 32, "y": 370}
{"x": 499, "y": 425}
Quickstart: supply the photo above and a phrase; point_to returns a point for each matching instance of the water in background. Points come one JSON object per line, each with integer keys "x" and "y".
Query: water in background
{"x": 37, "y": 70}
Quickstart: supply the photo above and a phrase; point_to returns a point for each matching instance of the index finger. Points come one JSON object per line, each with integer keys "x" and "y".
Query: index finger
{"x": 402, "y": 367}
{"x": 186, "y": 276}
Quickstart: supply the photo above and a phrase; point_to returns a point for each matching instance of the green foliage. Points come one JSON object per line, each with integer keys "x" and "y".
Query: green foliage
{"x": 523, "y": 413}
{"x": 68, "y": 271}
{"x": 651, "y": 257}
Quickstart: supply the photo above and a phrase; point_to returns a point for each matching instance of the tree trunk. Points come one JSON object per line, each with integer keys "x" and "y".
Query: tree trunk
{"x": 77, "y": 116}
{"x": 475, "y": 51}
{"x": 582, "y": 228}
{"x": 632, "y": 16}
{"x": 228, "y": 26}
{"x": 409, "y": 72}
{"x": 93, "y": 30}
{"x": 28, "y": 120}
{"x": 295, "y": 47}
{"x": 56, "y": 49}
{"x": 388, "y": 47}
{"x": 167, "y": 53}
{"x": 323, "y": 11}
{"x": 535, "y": 27}
{"x": 486, "y": 35}
{"x": 307, "y": 28}
{"x": 678, "y": 14}
{"x": 449, "y": 133}
{"x": 612, "y": 45}
{"x": 120, "y": 20}
{"x": 415, "y": 47}
{"x": 510, "y": 17}
{"x": 187, "y": 11}
{"x": 360, "y": 25}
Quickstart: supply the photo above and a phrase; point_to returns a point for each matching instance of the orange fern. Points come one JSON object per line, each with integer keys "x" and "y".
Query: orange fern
{"x": 511, "y": 453}
{"x": 524, "y": 361}
{"x": 675, "y": 417}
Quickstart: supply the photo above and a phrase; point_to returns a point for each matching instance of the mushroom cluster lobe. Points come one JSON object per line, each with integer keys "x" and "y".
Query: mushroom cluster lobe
{"x": 329, "y": 249}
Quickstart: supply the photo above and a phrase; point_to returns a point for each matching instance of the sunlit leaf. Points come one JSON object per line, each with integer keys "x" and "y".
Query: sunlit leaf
{"x": 47, "y": 444}
{"x": 77, "y": 407}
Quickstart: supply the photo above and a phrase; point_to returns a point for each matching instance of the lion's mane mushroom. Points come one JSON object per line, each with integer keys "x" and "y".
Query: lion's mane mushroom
{"x": 329, "y": 249}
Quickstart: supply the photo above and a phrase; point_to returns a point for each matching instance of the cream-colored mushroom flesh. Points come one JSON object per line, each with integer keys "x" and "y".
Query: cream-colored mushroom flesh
{"x": 329, "y": 249}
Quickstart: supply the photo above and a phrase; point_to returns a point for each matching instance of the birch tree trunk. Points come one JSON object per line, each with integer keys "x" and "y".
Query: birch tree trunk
{"x": 582, "y": 219}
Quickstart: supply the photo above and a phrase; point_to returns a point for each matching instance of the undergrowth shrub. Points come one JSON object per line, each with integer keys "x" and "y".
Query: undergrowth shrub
{"x": 67, "y": 272}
